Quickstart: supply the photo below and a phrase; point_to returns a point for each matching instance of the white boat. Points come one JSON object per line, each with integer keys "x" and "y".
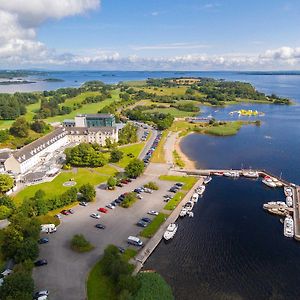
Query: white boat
{"x": 200, "y": 190}
{"x": 250, "y": 174}
{"x": 183, "y": 212}
{"x": 218, "y": 173}
{"x": 207, "y": 179}
{"x": 170, "y": 232}
{"x": 190, "y": 214}
{"x": 195, "y": 197}
{"x": 277, "y": 182}
{"x": 280, "y": 203}
{"x": 269, "y": 183}
{"x": 289, "y": 201}
{"x": 288, "y": 226}
{"x": 189, "y": 205}
{"x": 232, "y": 174}
{"x": 288, "y": 191}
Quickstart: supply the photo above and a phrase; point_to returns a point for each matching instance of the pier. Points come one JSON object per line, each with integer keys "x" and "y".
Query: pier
{"x": 157, "y": 237}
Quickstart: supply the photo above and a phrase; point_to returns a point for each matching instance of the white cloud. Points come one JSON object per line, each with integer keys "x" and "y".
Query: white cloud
{"x": 170, "y": 46}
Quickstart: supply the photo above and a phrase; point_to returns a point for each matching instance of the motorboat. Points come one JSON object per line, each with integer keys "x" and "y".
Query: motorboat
{"x": 232, "y": 174}
{"x": 289, "y": 201}
{"x": 277, "y": 182}
{"x": 269, "y": 182}
{"x": 288, "y": 191}
{"x": 250, "y": 174}
{"x": 281, "y": 203}
{"x": 170, "y": 232}
{"x": 200, "y": 190}
{"x": 190, "y": 214}
{"x": 183, "y": 212}
{"x": 195, "y": 197}
{"x": 288, "y": 226}
{"x": 189, "y": 205}
{"x": 218, "y": 173}
{"x": 207, "y": 179}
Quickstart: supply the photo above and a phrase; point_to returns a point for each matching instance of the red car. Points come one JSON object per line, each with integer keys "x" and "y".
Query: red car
{"x": 65, "y": 212}
{"x": 103, "y": 210}
{"x": 124, "y": 181}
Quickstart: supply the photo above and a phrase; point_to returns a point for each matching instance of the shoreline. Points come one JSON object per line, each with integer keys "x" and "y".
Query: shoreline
{"x": 189, "y": 164}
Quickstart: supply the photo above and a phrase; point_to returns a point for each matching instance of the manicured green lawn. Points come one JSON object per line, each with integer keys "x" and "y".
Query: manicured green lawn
{"x": 173, "y": 111}
{"x": 159, "y": 153}
{"x": 174, "y": 201}
{"x": 56, "y": 188}
{"x": 99, "y": 286}
{"x": 79, "y": 98}
{"x": 188, "y": 181}
{"x": 230, "y": 128}
{"x": 150, "y": 230}
{"x": 134, "y": 149}
{"x": 168, "y": 91}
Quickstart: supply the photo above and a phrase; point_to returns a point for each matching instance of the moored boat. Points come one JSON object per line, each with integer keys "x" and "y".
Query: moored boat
{"x": 170, "y": 232}
{"x": 183, "y": 212}
{"x": 289, "y": 201}
{"x": 218, "y": 173}
{"x": 195, "y": 197}
{"x": 269, "y": 182}
{"x": 288, "y": 226}
{"x": 189, "y": 205}
{"x": 200, "y": 190}
{"x": 232, "y": 174}
{"x": 288, "y": 191}
{"x": 250, "y": 174}
{"x": 207, "y": 179}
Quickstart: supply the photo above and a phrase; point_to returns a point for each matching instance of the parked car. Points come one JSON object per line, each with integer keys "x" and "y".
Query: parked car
{"x": 138, "y": 190}
{"x": 83, "y": 203}
{"x": 43, "y": 241}
{"x": 100, "y": 226}
{"x": 103, "y": 210}
{"x": 95, "y": 216}
{"x": 58, "y": 216}
{"x": 147, "y": 220}
{"x": 179, "y": 184}
{"x": 141, "y": 223}
{"x": 168, "y": 196}
{"x": 110, "y": 206}
{"x": 71, "y": 211}
{"x": 39, "y": 294}
{"x": 124, "y": 181}
{"x": 41, "y": 262}
{"x": 173, "y": 189}
{"x": 65, "y": 212}
{"x": 149, "y": 191}
{"x": 119, "y": 184}
{"x": 139, "y": 196}
{"x": 121, "y": 249}
{"x": 152, "y": 212}
{"x": 133, "y": 240}
{"x": 113, "y": 203}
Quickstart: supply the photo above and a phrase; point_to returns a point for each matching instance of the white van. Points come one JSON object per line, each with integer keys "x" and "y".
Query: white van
{"x": 133, "y": 240}
{"x": 48, "y": 228}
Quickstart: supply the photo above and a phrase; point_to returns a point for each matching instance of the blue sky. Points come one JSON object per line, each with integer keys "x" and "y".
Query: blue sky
{"x": 151, "y": 34}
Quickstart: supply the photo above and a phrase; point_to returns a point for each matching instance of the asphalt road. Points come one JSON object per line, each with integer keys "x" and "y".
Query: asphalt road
{"x": 66, "y": 272}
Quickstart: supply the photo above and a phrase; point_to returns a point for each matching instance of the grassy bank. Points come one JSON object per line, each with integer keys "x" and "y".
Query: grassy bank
{"x": 130, "y": 152}
{"x": 151, "y": 229}
{"x": 188, "y": 181}
{"x": 56, "y": 188}
{"x": 159, "y": 153}
{"x": 177, "y": 160}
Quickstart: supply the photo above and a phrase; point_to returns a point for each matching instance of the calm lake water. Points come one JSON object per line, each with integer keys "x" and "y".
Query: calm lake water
{"x": 232, "y": 249}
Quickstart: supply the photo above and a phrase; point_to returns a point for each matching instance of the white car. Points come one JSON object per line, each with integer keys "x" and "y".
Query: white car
{"x": 95, "y": 216}
{"x": 6, "y": 272}
{"x": 152, "y": 212}
{"x": 110, "y": 206}
{"x": 149, "y": 191}
{"x": 139, "y": 196}
{"x": 41, "y": 295}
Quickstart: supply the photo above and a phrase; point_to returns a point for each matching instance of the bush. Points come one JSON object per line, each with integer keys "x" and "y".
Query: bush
{"x": 111, "y": 182}
{"x": 88, "y": 192}
{"x": 152, "y": 185}
{"x": 80, "y": 244}
{"x": 6, "y": 183}
{"x": 5, "y": 212}
{"x": 135, "y": 168}
{"x": 129, "y": 200}
{"x": 116, "y": 155}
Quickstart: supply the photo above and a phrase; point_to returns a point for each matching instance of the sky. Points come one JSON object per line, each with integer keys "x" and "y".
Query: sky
{"x": 150, "y": 34}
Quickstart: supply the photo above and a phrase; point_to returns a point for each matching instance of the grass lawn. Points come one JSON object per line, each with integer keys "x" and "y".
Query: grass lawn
{"x": 168, "y": 91}
{"x": 174, "y": 201}
{"x": 176, "y": 113}
{"x": 150, "y": 230}
{"x": 188, "y": 181}
{"x": 230, "y": 128}
{"x": 99, "y": 286}
{"x": 159, "y": 153}
{"x": 134, "y": 149}
{"x": 56, "y": 188}
{"x": 79, "y": 98}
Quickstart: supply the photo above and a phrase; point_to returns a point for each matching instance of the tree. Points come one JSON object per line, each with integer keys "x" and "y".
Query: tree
{"x": 135, "y": 168}
{"x": 17, "y": 286}
{"x": 20, "y": 128}
{"x": 116, "y": 155}
{"x": 80, "y": 244}
{"x": 88, "y": 192}
{"x": 128, "y": 134}
{"x": 6, "y": 183}
{"x": 39, "y": 126}
{"x": 111, "y": 182}
{"x": 5, "y": 212}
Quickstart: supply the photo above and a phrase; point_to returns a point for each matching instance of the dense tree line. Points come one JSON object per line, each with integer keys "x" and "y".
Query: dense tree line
{"x": 128, "y": 134}
{"x": 85, "y": 155}
{"x": 13, "y": 106}
{"x": 186, "y": 107}
{"x": 161, "y": 120}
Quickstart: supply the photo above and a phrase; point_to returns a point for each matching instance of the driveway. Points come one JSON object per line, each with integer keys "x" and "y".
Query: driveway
{"x": 66, "y": 273}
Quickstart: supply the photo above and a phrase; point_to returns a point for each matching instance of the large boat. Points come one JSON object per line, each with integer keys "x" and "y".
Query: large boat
{"x": 288, "y": 226}
{"x": 250, "y": 174}
{"x": 289, "y": 201}
{"x": 277, "y": 182}
{"x": 170, "y": 232}
{"x": 277, "y": 211}
{"x": 232, "y": 174}
{"x": 269, "y": 182}
{"x": 288, "y": 191}
{"x": 218, "y": 173}
{"x": 183, "y": 212}
{"x": 200, "y": 190}
{"x": 195, "y": 197}
{"x": 189, "y": 205}
{"x": 207, "y": 179}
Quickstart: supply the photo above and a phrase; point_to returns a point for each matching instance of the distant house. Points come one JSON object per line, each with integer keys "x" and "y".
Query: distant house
{"x": 185, "y": 81}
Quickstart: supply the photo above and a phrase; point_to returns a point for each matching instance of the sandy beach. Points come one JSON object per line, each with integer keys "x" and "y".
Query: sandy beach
{"x": 189, "y": 164}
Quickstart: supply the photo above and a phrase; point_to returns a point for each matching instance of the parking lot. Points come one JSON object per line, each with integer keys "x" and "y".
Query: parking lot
{"x": 66, "y": 272}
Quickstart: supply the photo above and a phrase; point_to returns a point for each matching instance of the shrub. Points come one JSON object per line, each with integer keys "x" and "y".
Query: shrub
{"x": 88, "y": 192}
{"x": 80, "y": 244}
{"x": 129, "y": 200}
{"x": 135, "y": 168}
{"x": 152, "y": 185}
{"x": 116, "y": 155}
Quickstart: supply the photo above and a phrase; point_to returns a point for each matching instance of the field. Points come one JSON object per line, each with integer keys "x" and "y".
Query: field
{"x": 176, "y": 113}
{"x": 180, "y": 90}
{"x": 150, "y": 230}
{"x": 56, "y": 188}
{"x": 134, "y": 150}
